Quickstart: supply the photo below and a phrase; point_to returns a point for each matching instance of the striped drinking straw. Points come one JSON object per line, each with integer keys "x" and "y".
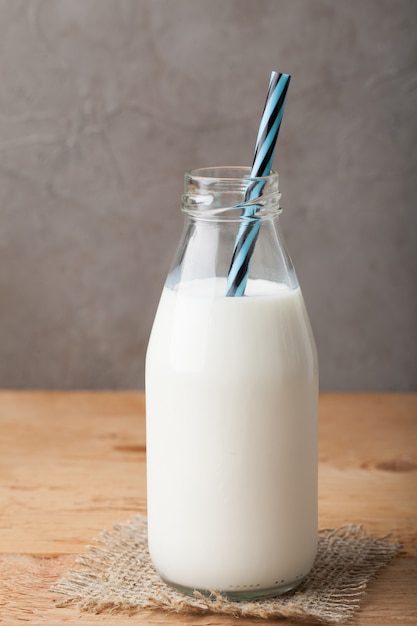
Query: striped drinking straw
{"x": 262, "y": 162}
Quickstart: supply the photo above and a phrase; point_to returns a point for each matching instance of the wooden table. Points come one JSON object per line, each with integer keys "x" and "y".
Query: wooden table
{"x": 72, "y": 464}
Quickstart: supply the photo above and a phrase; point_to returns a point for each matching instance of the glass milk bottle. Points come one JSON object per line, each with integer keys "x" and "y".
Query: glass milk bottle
{"x": 231, "y": 404}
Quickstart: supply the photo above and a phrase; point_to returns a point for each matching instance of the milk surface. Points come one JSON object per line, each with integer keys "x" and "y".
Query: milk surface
{"x": 231, "y": 392}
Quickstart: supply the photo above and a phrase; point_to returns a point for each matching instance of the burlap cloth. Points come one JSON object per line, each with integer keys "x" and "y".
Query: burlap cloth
{"x": 117, "y": 575}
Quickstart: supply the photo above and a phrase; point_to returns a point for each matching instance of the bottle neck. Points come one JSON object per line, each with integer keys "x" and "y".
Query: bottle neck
{"x": 230, "y": 193}
{"x": 224, "y": 208}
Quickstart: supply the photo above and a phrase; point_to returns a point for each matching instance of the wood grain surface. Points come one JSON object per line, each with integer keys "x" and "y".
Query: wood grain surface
{"x": 73, "y": 463}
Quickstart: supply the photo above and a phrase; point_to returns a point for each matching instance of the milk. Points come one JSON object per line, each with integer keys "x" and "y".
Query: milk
{"x": 231, "y": 404}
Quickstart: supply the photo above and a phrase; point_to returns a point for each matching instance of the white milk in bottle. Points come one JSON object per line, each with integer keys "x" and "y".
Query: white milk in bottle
{"x": 231, "y": 400}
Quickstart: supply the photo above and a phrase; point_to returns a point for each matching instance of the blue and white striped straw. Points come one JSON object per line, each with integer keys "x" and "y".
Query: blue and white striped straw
{"x": 262, "y": 162}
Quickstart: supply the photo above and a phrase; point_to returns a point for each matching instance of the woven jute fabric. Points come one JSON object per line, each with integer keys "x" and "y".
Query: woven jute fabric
{"x": 117, "y": 575}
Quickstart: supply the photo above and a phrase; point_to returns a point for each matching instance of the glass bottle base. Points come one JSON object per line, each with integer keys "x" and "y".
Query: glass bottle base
{"x": 242, "y": 595}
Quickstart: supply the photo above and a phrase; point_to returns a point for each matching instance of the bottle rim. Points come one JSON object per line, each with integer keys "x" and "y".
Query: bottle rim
{"x": 228, "y": 173}
{"x": 227, "y": 192}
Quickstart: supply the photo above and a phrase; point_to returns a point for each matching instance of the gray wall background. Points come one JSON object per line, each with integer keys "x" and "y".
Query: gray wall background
{"x": 103, "y": 106}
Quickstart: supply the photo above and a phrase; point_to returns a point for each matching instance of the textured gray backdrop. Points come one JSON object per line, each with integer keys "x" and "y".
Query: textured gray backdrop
{"x": 103, "y": 106}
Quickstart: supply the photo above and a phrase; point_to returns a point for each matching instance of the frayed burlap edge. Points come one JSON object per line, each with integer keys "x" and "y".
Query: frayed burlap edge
{"x": 117, "y": 576}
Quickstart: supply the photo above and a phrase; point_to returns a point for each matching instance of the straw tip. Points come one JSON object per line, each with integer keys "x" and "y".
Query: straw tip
{"x": 286, "y": 77}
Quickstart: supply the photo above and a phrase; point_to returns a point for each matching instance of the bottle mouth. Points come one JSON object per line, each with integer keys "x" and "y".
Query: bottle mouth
{"x": 228, "y": 191}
